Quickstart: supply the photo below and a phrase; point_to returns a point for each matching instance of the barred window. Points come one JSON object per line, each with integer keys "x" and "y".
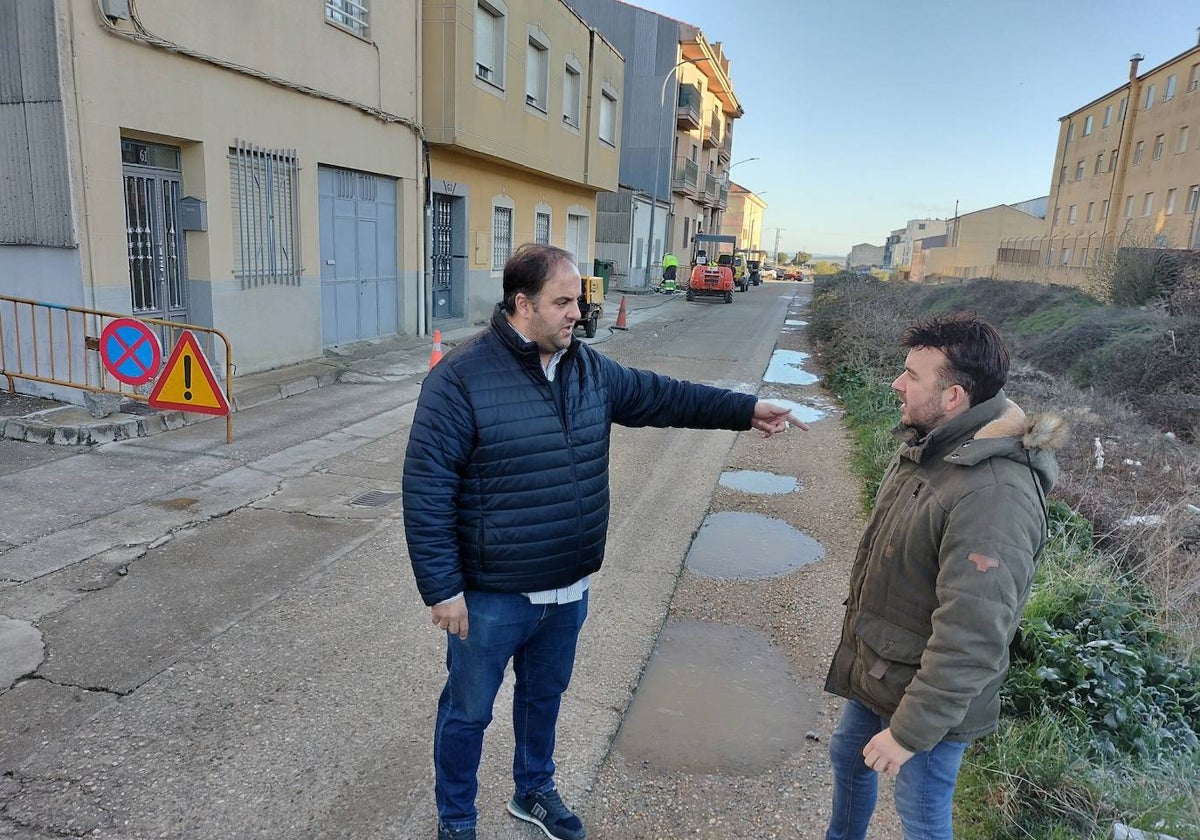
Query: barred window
{"x": 266, "y": 222}
{"x": 541, "y": 228}
{"x": 354, "y": 15}
{"x": 501, "y": 236}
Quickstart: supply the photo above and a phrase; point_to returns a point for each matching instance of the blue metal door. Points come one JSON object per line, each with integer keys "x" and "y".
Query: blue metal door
{"x": 359, "y": 276}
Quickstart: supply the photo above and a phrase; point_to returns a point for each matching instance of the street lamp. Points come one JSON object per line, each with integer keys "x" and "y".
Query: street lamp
{"x": 662, "y": 104}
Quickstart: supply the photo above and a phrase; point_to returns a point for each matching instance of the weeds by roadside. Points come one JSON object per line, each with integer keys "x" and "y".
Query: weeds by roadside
{"x": 1102, "y": 705}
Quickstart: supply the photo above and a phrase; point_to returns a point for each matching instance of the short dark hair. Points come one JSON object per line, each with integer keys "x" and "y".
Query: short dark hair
{"x": 528, "y": 269}
{"x": 976, "y": 357}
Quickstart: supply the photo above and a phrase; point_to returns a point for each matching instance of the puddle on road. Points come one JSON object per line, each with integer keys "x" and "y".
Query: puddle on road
{"x": 795, "y": 322}
{"x": 715, "y": 698}
{"x": 786, "y": 367}
{"x": 762, "y": 483}
{"x": 749, "y": 546}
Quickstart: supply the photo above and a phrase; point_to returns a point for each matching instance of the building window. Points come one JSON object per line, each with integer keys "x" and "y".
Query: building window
{"x": 537, "y": 70}
{"x": 1070, "y": 132}
{"x": 1087, "y": 125}
{"x": 1112, "y": 161}
{"x": 1169, "y": 93}
{"x": 1072, "y": 214}
{"x": 1104, "y": 210}
{"x": 1122, "y": 109}
{"x": 1170, "y": 202}
{"x": 1062, "y": 174}
{"x": 1158, "y": 147}
{"x": 1066, "y": 256}
{"x": 352, "y": 15}
{"x": 489, "y": 43}
{"x": 1079, "y": 171}
{"x": 502, "y": 236}
{"x": 1137, "y": 152}
{"x": 266, "y": 217}
{"x": 1149, "y": 102}
{"x": 572, "y": 86}
{"x": 608, "y": 117}
{"x": 1181, "y": 143}
{"x": 1099, "y": 164}
{"x": 1193, "y": 197}
{"x": 1128, "y": 207}
{"x": 1054, "y": 221}
{"x": 1091, "y": 214}
{"x": 1083, "y": 255}
{"x": 1194, "y": 78}
{"x": 1148, "y": 204}
{"x": 1107, "y": 115}
{"x": 541, "y": 228}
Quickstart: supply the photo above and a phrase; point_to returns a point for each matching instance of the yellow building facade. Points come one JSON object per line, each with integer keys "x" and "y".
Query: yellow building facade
{"x": 522, "y": 110}
{"x": 971, "y": 244}
{"x": 744, "y": 217}
{"x": 1126, "y": 174}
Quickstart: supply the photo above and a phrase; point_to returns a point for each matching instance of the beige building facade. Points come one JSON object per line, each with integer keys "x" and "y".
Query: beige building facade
{"x": 186, "y": 167}
{"x": 1126, "y": 173}
{"x": 972, "y": 243}
{"x": 744, "y": 217}
{"x": 706, "y": 110}
{"x": 522, "y": 110}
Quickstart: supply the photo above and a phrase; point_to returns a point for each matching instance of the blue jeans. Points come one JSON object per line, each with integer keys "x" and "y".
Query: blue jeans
{"x": 924, "y": 787}
{"x": 540, "y": 641}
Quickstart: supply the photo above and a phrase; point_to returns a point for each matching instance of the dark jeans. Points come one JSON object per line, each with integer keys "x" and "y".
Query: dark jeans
{"x": 540, "y": 640}
{"x": 924, "y": 787}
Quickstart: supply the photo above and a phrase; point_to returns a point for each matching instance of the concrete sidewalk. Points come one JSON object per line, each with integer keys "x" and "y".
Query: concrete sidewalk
{"x": 37, "y": 420}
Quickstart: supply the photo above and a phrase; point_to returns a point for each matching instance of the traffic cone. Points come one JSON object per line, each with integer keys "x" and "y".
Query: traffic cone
{"x": 436, "y": 355}
{"x": 620, "y": 325}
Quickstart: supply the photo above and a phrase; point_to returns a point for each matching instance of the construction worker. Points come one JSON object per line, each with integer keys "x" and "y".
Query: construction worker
{"x": 670, "y": 269}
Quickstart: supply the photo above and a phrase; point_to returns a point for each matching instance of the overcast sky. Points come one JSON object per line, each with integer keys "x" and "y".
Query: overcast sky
{"x": 868, "y": 113}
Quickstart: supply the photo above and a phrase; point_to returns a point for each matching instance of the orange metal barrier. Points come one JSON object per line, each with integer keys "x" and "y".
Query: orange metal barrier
{"x": 60, "y": 345}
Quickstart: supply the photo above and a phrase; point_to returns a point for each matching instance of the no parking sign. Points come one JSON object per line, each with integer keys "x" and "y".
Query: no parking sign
{"x": 130, "y": 351}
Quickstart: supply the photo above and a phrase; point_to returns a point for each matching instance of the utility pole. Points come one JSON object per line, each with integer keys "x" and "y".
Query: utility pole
{"x": 778, "y": 230}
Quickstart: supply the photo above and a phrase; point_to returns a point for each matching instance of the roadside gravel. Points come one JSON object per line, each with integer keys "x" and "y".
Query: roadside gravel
{"x": 800, "y": 613}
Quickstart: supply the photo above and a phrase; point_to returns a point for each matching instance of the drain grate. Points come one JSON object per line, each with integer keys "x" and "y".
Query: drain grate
{"x": 375, "y": 498}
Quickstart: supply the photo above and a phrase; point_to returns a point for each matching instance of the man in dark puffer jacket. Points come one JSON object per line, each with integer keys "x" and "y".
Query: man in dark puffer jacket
{"x": 506, "y": 513}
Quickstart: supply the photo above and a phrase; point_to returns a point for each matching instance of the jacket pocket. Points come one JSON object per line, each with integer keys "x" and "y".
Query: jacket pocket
{"x": 888, "y": 659}
{"x": 890, "y": 641}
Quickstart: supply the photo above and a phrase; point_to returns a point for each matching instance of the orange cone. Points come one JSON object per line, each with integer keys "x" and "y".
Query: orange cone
{"x": 436, "y": 355}
{"x": 620, "y": 325}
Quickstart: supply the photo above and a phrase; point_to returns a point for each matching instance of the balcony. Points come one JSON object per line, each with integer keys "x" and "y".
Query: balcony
{"x": 712, "y": 136}
{"x": 725, "y": 150}
{"x": 687, "y": 109}
{"x": 685, "y": 179}
{"x": 723, "y": 197}
{"x": 712, "y": 186}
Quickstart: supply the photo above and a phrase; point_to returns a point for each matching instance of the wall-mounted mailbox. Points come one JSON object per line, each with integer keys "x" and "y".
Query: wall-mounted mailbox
{"x": 193, "y": 213}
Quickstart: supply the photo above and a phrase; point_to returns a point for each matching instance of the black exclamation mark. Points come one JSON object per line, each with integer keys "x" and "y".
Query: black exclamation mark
{"x": 187, "y": 376}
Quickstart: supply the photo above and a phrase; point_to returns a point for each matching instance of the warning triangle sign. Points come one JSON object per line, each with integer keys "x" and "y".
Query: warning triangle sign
{"x": 187, "y": 382}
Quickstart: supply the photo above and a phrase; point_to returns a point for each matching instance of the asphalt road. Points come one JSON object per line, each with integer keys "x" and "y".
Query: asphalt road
{"x": 213, "y": 641}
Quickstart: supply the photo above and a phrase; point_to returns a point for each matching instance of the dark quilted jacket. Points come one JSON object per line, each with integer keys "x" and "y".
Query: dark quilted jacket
{"x": 505, "y": 484}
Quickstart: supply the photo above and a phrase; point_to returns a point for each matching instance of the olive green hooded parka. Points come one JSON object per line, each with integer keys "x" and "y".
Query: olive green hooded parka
{"x": 943, "y": 571}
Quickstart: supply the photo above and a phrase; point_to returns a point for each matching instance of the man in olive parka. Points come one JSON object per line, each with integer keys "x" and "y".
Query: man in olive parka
{"x": 940, "y": 579}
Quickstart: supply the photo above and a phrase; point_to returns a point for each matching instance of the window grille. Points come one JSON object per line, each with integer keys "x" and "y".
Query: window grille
{"x": 541, "y": 233}
{"x": 501, "y": 237}
{"x": 354, "y": 15}
{"x": 266, "y": 223}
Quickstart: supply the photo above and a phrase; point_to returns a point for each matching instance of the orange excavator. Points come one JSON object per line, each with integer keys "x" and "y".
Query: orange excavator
{"x": 712, "y": 267}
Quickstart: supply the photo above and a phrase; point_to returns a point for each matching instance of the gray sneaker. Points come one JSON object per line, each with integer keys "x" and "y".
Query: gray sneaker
{"x": 547, "y": 811}
{"x": 445, "y": 833}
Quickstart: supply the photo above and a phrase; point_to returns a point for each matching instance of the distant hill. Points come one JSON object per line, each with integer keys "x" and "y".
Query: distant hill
{"x": 837, "y": 258}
